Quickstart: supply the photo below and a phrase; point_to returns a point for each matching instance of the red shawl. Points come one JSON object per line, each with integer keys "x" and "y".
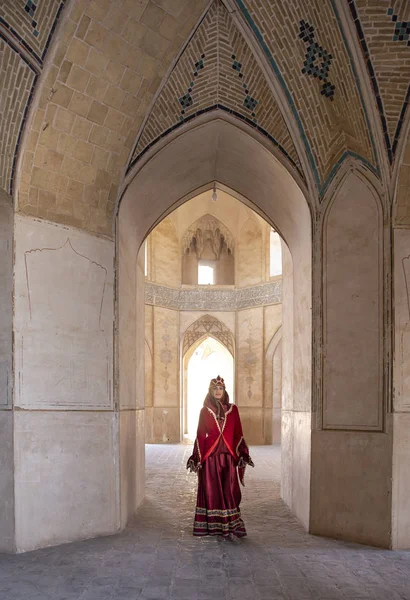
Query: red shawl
{"x": 211, "y": 430}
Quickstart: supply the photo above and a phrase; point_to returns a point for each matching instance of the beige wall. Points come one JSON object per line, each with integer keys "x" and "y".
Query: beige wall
{"x": 353, "y": 299}
{"x": 401, "y": 397}
{"x": 7, "y": 543}
{"x": 250, "y": 255}
{"x": 165, "y": 254}
{"x": 68, "y": 430}
{"x": 352, "y": 468}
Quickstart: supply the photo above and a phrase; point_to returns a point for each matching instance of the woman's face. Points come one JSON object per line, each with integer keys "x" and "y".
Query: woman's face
{"x": 218, "y": 392}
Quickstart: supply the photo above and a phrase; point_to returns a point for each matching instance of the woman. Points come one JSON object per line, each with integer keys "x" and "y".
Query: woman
{"x": 219, "y": 450}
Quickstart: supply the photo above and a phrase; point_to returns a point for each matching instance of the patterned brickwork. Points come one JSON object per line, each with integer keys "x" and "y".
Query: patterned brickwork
{"x": 383, "y": 29}
{"x": 31, "y": 22}
{"x": 229, "y": 77}
{"x": 17, "y": 82}
{"x": 332, "y": 126}
{"x": 26, "y": 31}
{"x": 108, "y": 63}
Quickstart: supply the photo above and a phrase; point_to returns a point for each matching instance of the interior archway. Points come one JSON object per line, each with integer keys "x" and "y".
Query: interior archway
{"x": 233, "y": 155}
{"x": 207, "y": 358}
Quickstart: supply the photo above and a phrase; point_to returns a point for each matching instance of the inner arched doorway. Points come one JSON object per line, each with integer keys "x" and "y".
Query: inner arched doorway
{"x": 203, "y": 361}
{"x": 230, "y": 153}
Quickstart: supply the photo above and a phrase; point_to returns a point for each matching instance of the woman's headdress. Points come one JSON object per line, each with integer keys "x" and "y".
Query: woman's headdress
{"x": 217, "y": 381}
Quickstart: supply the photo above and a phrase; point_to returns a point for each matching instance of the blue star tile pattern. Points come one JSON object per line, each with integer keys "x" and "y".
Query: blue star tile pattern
{"x": 249, "y": 103}
{"x": 401, "y": 28}
{"x": 30, "y": 8}
{"x": 186, "y": 100}
{"x": 317, "y": 60}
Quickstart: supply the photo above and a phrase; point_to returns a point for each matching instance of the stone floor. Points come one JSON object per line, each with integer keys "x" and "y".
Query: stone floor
{"x": 157, "y": 558}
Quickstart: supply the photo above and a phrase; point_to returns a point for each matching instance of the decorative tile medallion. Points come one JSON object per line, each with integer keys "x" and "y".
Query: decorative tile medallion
{"x": 401, "y": 28}
{"x": 317, "y": 60}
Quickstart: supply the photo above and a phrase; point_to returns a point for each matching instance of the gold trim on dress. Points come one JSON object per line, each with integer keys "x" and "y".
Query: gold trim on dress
{"x": 237, "y": 447}
{"x": 199, "y": 451}
{"x": 215, "y": 419}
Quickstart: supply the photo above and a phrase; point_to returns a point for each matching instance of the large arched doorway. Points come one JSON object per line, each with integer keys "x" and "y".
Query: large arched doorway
{"x": 227, "y": 151}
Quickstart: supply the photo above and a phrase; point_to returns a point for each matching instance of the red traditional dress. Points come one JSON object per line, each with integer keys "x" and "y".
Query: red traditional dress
{"x": 220, "y": 455}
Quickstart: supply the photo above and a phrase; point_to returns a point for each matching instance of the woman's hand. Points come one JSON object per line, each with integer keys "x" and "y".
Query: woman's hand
{"x": 245, "y": 460}
{"x": 192, "y": 466}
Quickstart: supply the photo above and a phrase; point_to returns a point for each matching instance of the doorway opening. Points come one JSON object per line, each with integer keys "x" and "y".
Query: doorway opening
{"x": 225, "y": 154}
{"x": 202, "y": 362}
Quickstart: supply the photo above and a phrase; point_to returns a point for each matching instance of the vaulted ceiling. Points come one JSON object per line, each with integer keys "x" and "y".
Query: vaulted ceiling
{"x": 89, "y": 86}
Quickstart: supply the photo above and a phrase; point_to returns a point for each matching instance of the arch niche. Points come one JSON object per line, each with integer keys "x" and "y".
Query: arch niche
{"x": 224, "y": 150}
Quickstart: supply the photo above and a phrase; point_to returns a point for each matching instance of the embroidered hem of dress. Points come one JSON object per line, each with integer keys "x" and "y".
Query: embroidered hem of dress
{"x": 218, "y": 522}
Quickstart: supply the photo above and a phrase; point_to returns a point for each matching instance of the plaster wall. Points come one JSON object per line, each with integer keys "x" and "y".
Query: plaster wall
{"x": 65, "y": 476}
{"x": 272, "y": 378}
{"x": 6, "y": 418}
{"x": 250, "y": 255}
{"x": 287, "y": 431}
{"x": 130, "y": 373}
{"x": 63, "y": 322}
{"x": 401, "y": 391}
{"x": 249, "y": 372}
{"x": 6, "y": 301}
{"x": 272, "y": 321}
{"x": 7, "y": 532}
{"x": 165, "y": 254}
{"x": 353, "y": 502}
{"x": 166, "y": 394}
{"x": 277, "y": 394}
{"x": 132, "y": 462}
{"x": 401, "y": 373}
{"x": 66, "y": 438}
{"x": 353, "y": 301}
{"x": 132, "y": 419}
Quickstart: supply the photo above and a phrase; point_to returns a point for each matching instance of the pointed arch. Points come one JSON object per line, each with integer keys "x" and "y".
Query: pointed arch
{"x": 208, "y": 326}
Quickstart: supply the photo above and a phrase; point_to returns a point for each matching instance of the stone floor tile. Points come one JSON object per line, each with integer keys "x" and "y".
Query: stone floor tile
{"x": 157, "y": 558}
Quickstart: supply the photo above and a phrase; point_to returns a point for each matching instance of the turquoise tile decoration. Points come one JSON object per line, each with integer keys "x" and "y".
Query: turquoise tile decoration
{"x": 30, "y": 8}
{"x": 317, "y": 59}
{"x": 186, "y": 100}
{"x": 401, "y": 28}
{"x": 249, "y": 103}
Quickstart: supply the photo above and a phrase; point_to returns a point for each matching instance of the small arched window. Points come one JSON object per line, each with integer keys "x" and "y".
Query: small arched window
{"x": 275, "y": 254}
